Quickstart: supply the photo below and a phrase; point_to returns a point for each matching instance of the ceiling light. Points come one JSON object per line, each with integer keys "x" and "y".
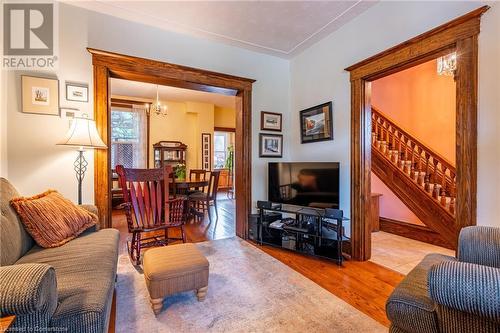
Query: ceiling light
{"x": 447, "y": 65}
{"x": 157, "y": 108}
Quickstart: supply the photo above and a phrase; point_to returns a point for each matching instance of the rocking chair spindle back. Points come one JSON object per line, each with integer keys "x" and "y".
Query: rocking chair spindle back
{"x": 148, "y": 207}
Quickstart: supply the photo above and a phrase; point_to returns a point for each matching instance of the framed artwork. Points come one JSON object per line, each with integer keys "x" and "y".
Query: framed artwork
{"x": 206, "y": 151}
{"x": 77, "y": 92}
{"x": 270, "y": 121}
{"x": 316, "y": 123}
{"x": 40, "y": 95}
{"x": 270, "y": 145}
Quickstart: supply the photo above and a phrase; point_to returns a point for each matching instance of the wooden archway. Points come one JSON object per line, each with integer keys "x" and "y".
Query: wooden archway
{"x": 113, "y": 65}
{"x": 460, "y": 35}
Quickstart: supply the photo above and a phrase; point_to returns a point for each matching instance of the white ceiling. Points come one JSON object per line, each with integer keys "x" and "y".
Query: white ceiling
{"x": 281, "y": 28}
{"x": 147, "y": 91}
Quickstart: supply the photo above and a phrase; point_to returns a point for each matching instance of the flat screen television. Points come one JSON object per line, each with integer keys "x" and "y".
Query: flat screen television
{"x": 313, "y": 184}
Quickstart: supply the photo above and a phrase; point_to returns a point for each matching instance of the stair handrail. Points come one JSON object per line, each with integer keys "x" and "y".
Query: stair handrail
{"x": 442, "y": 159}
{"x": 399, "y": 141}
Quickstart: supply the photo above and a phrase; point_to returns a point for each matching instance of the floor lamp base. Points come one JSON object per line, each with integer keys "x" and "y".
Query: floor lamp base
{"x": 80, "y": 166}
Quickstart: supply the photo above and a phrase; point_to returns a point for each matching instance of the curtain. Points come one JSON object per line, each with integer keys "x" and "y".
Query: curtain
{"x": 140, "y": 146}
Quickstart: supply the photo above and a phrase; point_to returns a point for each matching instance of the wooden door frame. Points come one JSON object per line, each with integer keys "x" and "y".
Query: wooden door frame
{"x": 108, "y": 65}
{"x": 461, "y": 35}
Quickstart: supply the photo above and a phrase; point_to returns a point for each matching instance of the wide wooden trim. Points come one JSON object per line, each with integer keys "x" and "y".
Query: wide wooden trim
{"x": 102, "y": 161}
{"x": 154, "y": 71}
{"x": 224, "y": 129}
{"x": 459, "y": 35}
{"x": 462, "y": 27}
{"x": 412, "y": 231}
{"x": 112, "y": 65}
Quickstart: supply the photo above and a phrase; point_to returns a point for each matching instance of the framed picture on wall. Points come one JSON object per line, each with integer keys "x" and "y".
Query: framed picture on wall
{"x": 206, "y": 151}
{"x": 270, "y": 121}
{"x": 40, "y": 95}
{"x": 270, "y": 145}
{"x": 316, "y": 123}
{"x": 77, "y": 92}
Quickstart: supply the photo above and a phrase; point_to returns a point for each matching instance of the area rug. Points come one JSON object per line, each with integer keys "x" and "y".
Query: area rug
{"x": 249, "y": 291}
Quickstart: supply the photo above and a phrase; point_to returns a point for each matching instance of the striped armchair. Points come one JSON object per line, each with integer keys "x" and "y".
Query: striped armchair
{"x": 444, "y": 294}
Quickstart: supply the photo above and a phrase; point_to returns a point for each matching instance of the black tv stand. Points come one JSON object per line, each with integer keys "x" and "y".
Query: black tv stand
{"x": 313, "y": 231}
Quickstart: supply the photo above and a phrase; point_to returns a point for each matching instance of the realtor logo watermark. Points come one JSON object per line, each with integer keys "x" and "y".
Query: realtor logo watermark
{"x": 29, "y": 36}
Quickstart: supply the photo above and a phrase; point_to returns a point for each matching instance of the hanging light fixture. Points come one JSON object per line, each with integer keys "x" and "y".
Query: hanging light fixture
{"x": 447, "y": 65}
{"x": 157, "y": 108}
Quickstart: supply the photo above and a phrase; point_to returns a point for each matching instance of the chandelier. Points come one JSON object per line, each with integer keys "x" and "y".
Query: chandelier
{"x": 156, "y": 107}
{"x": 447, "y": 65}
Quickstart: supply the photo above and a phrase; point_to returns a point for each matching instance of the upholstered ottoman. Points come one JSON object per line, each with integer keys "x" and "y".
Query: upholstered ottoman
{"x": 173, "y": 269}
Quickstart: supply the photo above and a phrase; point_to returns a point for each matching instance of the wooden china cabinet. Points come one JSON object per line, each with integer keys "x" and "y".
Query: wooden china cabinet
{"x": 169, "y": 153}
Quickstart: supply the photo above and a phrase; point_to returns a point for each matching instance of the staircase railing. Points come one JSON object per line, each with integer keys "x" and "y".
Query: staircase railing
{"x": 425, "y": 167}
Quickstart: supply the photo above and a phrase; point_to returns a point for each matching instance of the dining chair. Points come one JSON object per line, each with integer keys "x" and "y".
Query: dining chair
{"x": 198, "y": 174}
{"x": 203, "y": 200}
{"x": 148, "y": 208}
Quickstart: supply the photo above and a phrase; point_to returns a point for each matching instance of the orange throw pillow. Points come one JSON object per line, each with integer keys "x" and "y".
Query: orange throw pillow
{"x": 51, "y": 219}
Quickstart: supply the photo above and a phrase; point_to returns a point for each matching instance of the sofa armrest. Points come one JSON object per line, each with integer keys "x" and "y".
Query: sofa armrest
{"x": 466, "y": 287}
{"x": 27, "y": 289}
{"x": 480, "y": 245}
{"x": 91, "y": 209}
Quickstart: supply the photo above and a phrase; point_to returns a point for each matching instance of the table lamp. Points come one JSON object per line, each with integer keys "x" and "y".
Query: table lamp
{"x": 82, "y": 134}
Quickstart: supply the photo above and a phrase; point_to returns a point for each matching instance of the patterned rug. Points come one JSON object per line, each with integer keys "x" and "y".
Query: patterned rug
{"x": 249, "y": 291}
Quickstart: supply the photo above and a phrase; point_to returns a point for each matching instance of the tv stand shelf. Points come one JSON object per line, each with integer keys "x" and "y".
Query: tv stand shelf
{"x": 312, "y": 231}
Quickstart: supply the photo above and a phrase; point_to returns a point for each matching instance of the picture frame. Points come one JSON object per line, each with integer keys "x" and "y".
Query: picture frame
{"x": 77, "y": 92}
{"x": 270, "y": 145}
{"x": 40, "y": 95}
{"x": 316, "y": 123}
{"x": 271, "y": 121}
{"x": 206, "y": 151}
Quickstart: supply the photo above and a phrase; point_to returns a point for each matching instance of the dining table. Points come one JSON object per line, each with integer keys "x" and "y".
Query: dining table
{"x": 183, "y": 186}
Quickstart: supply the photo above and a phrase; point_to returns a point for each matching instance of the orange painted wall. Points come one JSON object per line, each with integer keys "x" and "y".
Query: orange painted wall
{"x": 423, "y": 104}
{"x": 390, "y": 205}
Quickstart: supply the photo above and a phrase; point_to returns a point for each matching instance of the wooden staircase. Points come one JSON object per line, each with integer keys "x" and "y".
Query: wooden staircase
{"x": 423, "y": 180}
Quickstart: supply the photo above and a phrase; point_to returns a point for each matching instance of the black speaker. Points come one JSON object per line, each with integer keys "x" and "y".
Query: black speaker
{"x": 253, "y": 219}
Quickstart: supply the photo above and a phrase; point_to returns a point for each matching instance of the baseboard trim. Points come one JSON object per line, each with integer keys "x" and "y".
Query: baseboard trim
{"x": 412, "y": 231}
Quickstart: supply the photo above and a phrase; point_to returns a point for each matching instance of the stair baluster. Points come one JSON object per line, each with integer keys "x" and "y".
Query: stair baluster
{"x": 429, "y": 171}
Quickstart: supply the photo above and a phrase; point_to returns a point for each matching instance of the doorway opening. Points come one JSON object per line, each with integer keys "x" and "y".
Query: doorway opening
{"x": 109, "y": 65}
{"x": 461, "y": 36}
{"x": 413, "y": 163}
{"x": 181, "y": 134}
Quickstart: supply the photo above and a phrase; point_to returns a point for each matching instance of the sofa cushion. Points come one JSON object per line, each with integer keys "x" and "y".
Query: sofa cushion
{"x": 14, "y": 240}
{"x": 51, "y": 219}
{"x": 410, "y": 307}
{"x": 85, "y": 270}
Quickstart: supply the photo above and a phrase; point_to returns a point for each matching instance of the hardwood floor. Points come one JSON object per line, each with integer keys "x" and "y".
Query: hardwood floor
{"x": 364, "y": 285}
{"x": 196, "y": 231}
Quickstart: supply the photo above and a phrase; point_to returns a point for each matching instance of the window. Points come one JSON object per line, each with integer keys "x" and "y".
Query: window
{"x": 128, "y": 138}
{"x": 220, "y": 148}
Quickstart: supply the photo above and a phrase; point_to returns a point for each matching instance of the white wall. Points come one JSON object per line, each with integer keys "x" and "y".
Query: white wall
{"x": 35, "y": 163}
{"x": 317, "y": 76}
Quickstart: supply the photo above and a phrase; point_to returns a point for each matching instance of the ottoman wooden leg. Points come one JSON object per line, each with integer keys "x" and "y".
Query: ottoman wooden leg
{"x": 201, "y": 293}
{"x": 156, "y": 304}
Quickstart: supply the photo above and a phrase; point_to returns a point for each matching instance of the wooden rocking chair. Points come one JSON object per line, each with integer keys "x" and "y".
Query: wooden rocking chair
{"x": 149, "y": 209}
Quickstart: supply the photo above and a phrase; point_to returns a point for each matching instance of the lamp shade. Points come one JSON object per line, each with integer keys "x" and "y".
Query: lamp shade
{"x": 83, "y": 133}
